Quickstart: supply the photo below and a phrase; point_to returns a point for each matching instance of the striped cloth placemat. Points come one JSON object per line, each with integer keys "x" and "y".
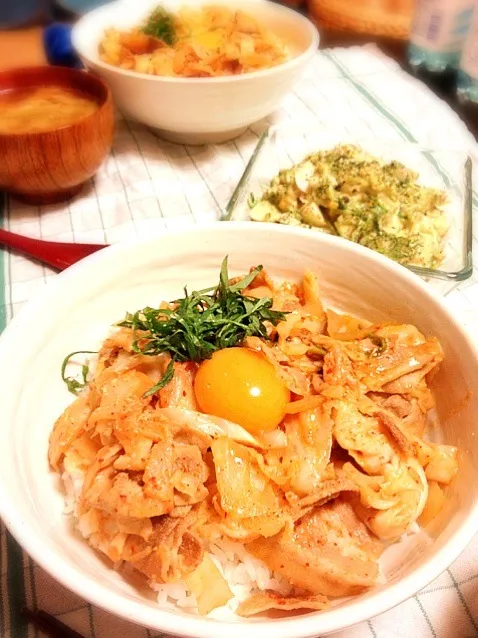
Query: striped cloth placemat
{"x": 147, "y": 185}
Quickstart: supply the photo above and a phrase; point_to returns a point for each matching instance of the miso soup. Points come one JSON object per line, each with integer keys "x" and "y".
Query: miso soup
{"x": 43, "y": 108}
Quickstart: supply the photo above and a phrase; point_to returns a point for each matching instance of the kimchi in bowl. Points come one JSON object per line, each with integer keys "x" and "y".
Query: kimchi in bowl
{"x": 76, "y": 313}
{"x": 198, "y": 110}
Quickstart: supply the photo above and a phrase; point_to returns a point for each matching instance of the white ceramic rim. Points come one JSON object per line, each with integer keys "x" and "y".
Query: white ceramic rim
{"x": 196, "y": 626}
{"x": 289, "y": 64}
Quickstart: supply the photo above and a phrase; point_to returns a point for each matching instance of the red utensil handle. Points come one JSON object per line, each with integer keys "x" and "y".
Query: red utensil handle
{"x": 58, "y": 255}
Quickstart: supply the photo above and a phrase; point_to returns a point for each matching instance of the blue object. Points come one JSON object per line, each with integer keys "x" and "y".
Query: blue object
{"x": 18, "y": 13}
{"x": 58, "y": 47}
{"x": 79, "y": 7}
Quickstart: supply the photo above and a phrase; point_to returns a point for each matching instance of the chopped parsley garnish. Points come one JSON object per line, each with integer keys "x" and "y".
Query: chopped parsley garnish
{"x": 200, "y": 323}
{"x": 380, "y": 345}
{"x": 160, "y": 25}
{"x": 74, "y": 385}
{"x": 165, "y": 379}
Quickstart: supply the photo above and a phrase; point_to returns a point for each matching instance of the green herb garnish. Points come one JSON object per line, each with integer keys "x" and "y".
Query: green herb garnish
{"x": 252, "y": 200}
{"x": 379, "y": 343}
{"x": 160, "y": 25}
{"x": 165, "y": 379}
{"x": 202, "y": 322}
{"x": 74, "y": 386}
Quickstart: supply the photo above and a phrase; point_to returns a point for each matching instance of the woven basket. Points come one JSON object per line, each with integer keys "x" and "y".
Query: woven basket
{"x": 385, "y": 18}
{"x": 296, "y": 4}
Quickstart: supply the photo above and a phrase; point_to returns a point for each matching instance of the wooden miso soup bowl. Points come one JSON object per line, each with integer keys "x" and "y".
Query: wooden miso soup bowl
{"x": 51, "y": 166}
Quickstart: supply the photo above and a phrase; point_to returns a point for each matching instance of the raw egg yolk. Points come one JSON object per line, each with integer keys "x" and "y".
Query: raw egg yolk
{"x": 242, "y": 386}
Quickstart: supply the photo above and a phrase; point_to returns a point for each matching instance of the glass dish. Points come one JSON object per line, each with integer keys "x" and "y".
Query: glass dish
{"x": 283, "y": 146}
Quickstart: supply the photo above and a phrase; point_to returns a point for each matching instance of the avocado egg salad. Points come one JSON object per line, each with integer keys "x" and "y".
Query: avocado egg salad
{"x": 346, "y": 191}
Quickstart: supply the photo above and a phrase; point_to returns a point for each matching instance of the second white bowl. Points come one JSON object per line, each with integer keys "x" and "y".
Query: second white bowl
{"x": 198, "y": 110}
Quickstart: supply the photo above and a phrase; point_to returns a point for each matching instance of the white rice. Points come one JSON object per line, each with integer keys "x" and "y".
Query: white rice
{"x": 73, "y": 483}
{"x": 243, "y": 572}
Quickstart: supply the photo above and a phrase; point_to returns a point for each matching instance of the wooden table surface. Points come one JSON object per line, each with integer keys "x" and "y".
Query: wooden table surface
{"x": 24, "y": 48}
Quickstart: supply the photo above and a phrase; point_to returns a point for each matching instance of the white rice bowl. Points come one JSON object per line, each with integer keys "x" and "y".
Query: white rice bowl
{"x": 75, "y": 312}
